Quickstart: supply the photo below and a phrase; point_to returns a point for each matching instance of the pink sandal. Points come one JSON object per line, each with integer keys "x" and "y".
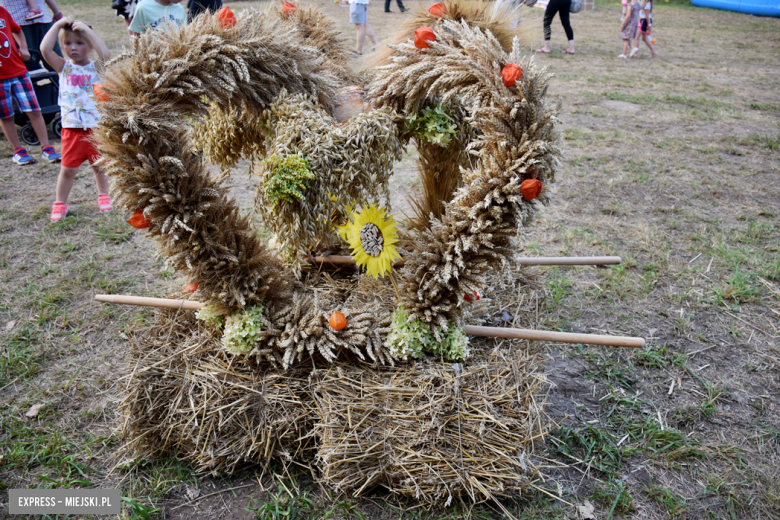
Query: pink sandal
{"x": 567, "y": 51}
{"x": 104, "y": 203}
{"x": 34, "y": 14}
{"x": 543, "y": 50}
{"x": 58, "y": 211}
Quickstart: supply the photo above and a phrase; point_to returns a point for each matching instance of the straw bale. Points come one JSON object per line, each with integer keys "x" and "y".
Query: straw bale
{"x": 433, "y": 430}
{"x": 186, "y": 395}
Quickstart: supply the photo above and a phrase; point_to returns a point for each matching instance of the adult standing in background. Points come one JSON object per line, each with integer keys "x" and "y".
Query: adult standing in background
{"x": 562, "y": 8}
{"x": 358, "y": 15}
{"x": 195, "y": 7}
{"x": 400, "y": 6}
{"x": 35, "y": 30}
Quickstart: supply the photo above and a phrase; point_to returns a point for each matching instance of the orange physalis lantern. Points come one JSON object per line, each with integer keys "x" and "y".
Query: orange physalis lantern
{"x": 100, "y": 94}
{"x": 468, "y": 297}
{"x": 288, "y": 8}
{"x": 137, "y": 220}
{"x": 530, "y": 188}
{"x": 511, "y": 74}
{"x": 337, "y": 321}
{"x": 226, "y": 18}
{"x": 422, "y": 36}
{"x": 191, "y": 287}
{"x": 438, "y": 10}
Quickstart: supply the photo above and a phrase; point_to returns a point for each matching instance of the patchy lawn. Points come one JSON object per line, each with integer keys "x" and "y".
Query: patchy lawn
{"x": 672, "y": 163}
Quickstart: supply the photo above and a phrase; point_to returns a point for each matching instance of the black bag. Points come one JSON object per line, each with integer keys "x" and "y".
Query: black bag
{"x": 576, "y": 6}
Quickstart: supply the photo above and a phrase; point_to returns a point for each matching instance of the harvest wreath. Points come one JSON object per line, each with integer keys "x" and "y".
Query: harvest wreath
{"x": 277, "y": 351}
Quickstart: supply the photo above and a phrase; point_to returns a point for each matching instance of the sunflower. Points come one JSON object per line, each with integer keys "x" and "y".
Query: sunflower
{"x": 372, "y": 237}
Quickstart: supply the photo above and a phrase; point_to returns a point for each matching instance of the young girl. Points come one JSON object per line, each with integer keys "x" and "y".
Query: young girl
{"x": 643, "y": 29}
{"x": 79, "y": 114}
{"x": 629, "y": 26}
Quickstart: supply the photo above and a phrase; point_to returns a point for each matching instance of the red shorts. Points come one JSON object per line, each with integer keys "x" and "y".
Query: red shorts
{"x": 77, "y": 147}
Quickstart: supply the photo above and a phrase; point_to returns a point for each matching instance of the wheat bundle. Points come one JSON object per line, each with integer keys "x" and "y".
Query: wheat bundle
{"x": 171, "y": 76}
{"x": 433, "y": 431}
{"x": 351, "y": 164}
{"x": 186, "y": 395}
{"x": 515, "y": 140}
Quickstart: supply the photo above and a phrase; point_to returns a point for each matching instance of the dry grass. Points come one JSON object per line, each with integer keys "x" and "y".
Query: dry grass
{"x": 666, "y": 159}
{"x": 186, "y": 395}
{"x": 434, "y": 431}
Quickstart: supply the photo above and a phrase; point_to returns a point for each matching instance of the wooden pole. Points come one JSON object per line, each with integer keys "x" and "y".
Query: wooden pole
{"x": 558, "y": 337}
{"x": 533, "y": 260}
{"x": 149, "y": 302}
{"x": 471, "y": 330}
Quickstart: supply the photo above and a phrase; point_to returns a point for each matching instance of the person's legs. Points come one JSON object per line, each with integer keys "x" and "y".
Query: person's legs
{"x": 401, "y": 6}
{"x": 563, "y": 13}
{"x": 65, "y": 183}
{"x": 101, "y": 180}
{"x": 9, "y": 129}
{"x": 371, "y": 34}
{"x": 387, "y": 6}
{"x": 649, "y": 45}
{"x": 361, "y": 36}
{"x": 549, "y": 14}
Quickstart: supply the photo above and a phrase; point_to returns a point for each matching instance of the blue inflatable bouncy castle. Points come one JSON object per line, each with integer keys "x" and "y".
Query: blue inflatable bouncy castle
{"x": 756, "y": 7}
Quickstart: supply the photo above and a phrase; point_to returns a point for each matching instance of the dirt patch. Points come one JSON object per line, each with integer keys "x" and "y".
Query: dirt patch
{"x": 622, "y": 106}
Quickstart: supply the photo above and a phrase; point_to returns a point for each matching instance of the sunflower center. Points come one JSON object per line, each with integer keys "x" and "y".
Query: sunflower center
{"x": 371, "y": 239}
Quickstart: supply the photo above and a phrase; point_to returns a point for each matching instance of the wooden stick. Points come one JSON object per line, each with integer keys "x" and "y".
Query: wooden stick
{"x": 558, "y": 337}
{"x": 149, "y": 302}
{"x": 533, "y": 260}
{"x": 488, "y": 332}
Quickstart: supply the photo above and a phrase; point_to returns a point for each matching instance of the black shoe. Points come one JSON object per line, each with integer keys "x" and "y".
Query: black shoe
{"x": 388, "y": 11}
{"x": 404, "y": 9}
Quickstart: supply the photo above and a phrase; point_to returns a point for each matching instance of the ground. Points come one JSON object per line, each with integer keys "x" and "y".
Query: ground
{"x": 671, "y": 163}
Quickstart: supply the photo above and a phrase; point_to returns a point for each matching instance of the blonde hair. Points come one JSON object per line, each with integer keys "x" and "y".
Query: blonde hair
{"x": 68, "y": 29}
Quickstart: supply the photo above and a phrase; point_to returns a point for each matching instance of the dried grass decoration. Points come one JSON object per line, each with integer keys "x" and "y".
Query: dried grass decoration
{"x": 213, "y": 389}
{"x": 351, "y": 166}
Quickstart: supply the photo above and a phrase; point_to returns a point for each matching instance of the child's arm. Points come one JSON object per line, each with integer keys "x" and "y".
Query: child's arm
{"x": 21, "y": 42}
{"x": 97, "y": 43}
{"x": 47, "y": 44}
{"x": 627, "y": 18}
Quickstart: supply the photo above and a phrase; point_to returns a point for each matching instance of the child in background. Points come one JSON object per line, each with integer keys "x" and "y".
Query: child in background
{"x": 629, "y": 27}
{"x": 16, "y": 82}
{"x": 643, "y": 28}
{"x": 77, "y": 103}
{"x": 151, "y": 13}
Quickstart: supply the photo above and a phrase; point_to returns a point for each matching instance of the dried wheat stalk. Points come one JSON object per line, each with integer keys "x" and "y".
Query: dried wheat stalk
{"x": 186, "y": 395}
{"x": 352, "y": 164}
{"x": 171, "y": 76}
{"x": 516, "y": 139}
{"x": 432, "y": 433}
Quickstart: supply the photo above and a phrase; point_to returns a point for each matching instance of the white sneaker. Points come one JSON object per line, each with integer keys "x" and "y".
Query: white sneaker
{"x": 633, "y": 52}
{"x": 623, "y": 56}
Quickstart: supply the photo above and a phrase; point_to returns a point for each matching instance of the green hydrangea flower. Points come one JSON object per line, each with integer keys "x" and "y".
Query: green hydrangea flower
{"x": 288, "y": 179}
{"x": 432, "y": 124}
{"x": 242, "y": 330}
{"x": 410, "y": 338}
{"x": 210, "y": 317}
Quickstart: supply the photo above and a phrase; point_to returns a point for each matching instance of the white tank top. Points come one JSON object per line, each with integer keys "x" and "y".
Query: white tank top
{"x": 76, "y": 99}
